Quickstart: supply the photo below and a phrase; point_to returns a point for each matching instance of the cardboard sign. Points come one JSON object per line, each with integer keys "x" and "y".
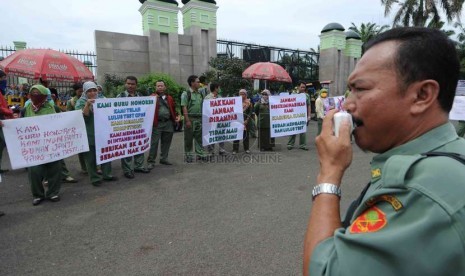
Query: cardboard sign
{"x": 222, "y": 120}
{"x": 43, "y": 139}
{"x": 288, "y": 115}
{"x": 123, "y": 127}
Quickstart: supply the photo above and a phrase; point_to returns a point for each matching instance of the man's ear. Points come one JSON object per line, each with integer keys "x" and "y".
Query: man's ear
{"x": 424, "y": 94}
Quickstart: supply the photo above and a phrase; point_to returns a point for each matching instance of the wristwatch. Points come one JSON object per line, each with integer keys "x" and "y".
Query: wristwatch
{"x": 326, "y": 188}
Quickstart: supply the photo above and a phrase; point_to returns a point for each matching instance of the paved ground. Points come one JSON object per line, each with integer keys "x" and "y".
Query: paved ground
{"x": 241, "y": 216}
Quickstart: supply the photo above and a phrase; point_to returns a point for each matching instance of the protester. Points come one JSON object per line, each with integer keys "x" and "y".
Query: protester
{"x": 302, "y": 88}
{"x": 203, "y": 89}
{"x": 410, "y": 219}
{"x": 65, "y": 173}
{"x": 191, "y": 104}
{"x": 5, "y": 113}
{"x": 127, "y": 163}
{"x": 262, "y": 109}
{"x": 163, "y": 125}
{"x": 85, "y": 103}
{"x": 70, "y": 106}
{"x": 214, "y": 94}
{"x": 247, "y": 110}
{"x": 49, "y": 171}
{"x": 320, "y": 108}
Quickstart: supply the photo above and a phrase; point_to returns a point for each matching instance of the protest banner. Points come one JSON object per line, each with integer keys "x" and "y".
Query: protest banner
{"x": 222, "y": 120}
{"x": 458, "y": 109}
{"x": 123, "y": 127}
{"x": 288, "y": 115}
{"x": 333, "y": 103}
{"x": 43, "y": 139}
{"x": 460, "y": 90}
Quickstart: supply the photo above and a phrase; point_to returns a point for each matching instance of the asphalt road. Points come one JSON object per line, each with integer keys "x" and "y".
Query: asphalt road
{"x": 245, "y": 215}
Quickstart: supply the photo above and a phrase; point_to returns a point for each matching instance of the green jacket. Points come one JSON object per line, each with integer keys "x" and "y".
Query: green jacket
{"x": 412, "y": 218}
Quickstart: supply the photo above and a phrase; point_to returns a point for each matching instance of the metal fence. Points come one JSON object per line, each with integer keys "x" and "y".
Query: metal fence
{"x": 300, "y": 64}
{"x": 64, "y": 88}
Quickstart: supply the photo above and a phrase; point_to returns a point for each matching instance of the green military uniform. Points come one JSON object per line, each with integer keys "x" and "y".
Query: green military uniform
{"x": 265, "y": 142}
{"x": 49, "y": 171}
{"x": 126, "y": 163}
{"x": 164, "y": 132}
{"x": 90, "y": 157}
{"x": 461, "y": 128}
{"x": 194, "y": 111}
{"x": 302, "y": 136}
{"x": 70, "y": 106}
{"x": 412, "y": 217}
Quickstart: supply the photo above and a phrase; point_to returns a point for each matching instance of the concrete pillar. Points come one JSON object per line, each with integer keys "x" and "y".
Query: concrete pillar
{"x": 332, "y": 46}
{"x": 20, "y": 45}
{"x": 199, "y": 21}
{"x": 159, "y": 16}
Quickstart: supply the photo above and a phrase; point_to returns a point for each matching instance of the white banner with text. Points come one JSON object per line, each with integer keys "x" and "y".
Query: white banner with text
{"x": 43, "y": 139}
{"x": 288, "y": 115}
{"x": 123, "y": 127}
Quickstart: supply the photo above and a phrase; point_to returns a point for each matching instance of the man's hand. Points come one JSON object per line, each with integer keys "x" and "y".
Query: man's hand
{"x": 188, "y": 124}
{"x": 335, "y": 153}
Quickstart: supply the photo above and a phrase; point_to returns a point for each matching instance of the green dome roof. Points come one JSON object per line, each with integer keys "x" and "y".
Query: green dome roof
{"x": 352, "y": 35}
{"x": 333, "y": 26}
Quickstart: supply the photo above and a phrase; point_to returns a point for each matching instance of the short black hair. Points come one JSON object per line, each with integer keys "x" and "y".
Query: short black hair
{"x": 160, "y": 81}
{"x": 77, "y": 86}
{"x": 422, "y": 54}
{"x": 191, "y": 79}
{"x": 130, "y": 78}
{"x": 214, "y": 86}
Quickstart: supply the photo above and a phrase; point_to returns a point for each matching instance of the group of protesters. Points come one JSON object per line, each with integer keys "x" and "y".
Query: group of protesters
{"x": 46, "y": 179}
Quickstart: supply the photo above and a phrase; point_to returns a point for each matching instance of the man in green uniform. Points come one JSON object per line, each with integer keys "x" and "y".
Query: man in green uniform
{"x": 302, "y": 136}
{"x": 163, "y": 125}
{"x": 411, "y": 218}
{"x": 126, "y": 163}
{"x": 191, "y": 104}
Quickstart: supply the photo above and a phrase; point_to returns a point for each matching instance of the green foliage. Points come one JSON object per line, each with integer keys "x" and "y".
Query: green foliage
{"x": 417, "y": 12}
{"x": 112, "y": 85}
{"x": 146, "y": 86}
{"x": 228, "y": 73}
{"x": 369, "y": 30}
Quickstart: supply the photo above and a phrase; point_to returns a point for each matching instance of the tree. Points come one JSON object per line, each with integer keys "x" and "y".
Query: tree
{"x": 417, "y": 12}
{"x": 368, "y": 31}
{"x": 228, "y": 73}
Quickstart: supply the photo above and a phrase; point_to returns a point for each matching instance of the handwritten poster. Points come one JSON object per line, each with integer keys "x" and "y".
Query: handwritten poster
{"x": 43, "y": 139}
{"x": 333, "y": 103}
{"x": 123, "y": 127}
{"x": 222, "y": 120}
{"x": 288, "y": 115}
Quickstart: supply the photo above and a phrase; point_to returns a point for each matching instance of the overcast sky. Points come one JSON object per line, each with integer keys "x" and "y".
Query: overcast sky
{"x": 70, "y": 24}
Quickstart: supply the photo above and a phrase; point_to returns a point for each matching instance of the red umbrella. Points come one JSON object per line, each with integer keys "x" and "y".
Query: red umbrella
{"x": 45, "y": 64}
{"x": 266, "y": 71}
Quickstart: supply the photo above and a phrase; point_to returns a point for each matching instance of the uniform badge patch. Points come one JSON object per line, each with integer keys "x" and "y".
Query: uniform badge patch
{"x": 372, "y": 220}
{"x": 376, "y": 173}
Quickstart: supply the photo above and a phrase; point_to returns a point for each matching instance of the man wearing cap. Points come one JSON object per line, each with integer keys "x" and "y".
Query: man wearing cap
{"x": 163, "y": 125}
{"x": 320, "y": 108}
{"x": 303, "y": 136}
{"x": 126, "y": 163}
